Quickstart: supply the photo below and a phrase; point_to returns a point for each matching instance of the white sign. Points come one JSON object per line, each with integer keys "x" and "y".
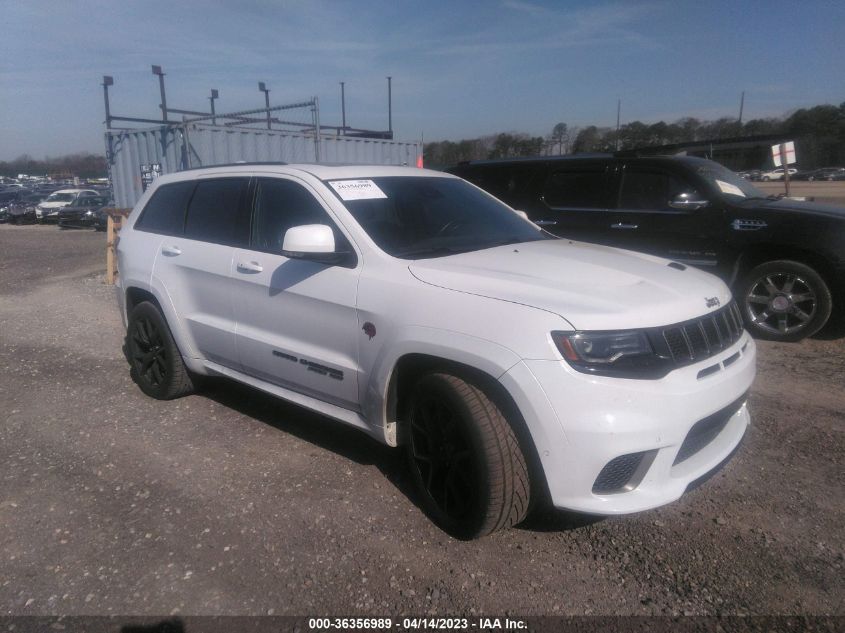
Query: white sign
{"x": 790, "y": 153}
{"x": 357, "y": 189}
{"x": 727, "y": 187}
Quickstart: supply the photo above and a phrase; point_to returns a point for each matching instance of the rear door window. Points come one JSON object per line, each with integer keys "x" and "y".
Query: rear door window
{"x": 165, "y": 212}
{"x": 649, "y": 189}
{"x": 216, "y": 212}
{"x": 581, "y": 187}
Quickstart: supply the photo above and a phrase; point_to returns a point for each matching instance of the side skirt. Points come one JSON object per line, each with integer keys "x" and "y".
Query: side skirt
{"x": 347, "y": 416}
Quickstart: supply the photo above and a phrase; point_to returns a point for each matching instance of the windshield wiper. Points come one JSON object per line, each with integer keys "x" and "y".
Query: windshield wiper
{"x": 771, "y": 197}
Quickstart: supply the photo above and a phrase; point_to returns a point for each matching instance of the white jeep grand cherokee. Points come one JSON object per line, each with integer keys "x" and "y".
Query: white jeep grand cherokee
{"x": 421, "y": 310}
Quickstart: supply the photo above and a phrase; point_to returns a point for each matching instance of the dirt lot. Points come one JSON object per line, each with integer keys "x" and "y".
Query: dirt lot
{"x": 232, "y": 502}
{"x": 825, "y": 192}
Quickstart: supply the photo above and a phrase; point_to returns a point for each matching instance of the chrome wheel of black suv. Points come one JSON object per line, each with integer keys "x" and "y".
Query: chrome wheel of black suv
{"x": 155, "y": 363}
{"x": 784, "y": 301}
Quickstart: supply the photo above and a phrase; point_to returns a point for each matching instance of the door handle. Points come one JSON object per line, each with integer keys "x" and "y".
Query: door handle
{"x": 250, "y": 267}
{"x": 545, "y": 222}
{"x": 622, "y": 225}
{"x": 171, "y": 250}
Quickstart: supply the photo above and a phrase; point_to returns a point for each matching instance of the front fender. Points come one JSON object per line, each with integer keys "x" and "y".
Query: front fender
{"x": 486, "y": 356}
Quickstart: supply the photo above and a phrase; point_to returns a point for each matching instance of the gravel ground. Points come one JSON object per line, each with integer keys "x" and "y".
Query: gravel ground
{"x": 230, "y": 502}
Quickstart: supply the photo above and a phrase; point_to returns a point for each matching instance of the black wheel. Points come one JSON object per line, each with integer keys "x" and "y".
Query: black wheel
{"x": 765, "y": 179}
{"x": 155, "y": 363}
{"x": 465, "y": 458}
{"x": 784, "y": 301}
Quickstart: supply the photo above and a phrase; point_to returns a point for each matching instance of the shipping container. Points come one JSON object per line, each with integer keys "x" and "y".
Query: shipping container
{"x": 136, "y": 156}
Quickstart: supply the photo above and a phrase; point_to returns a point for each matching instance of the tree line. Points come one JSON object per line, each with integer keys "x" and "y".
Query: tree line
{"x": 819, "y": 133}
{"x": 83, "y": 165}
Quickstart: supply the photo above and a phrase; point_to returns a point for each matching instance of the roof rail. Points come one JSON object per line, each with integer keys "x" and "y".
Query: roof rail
{"x": 239, "y": 163}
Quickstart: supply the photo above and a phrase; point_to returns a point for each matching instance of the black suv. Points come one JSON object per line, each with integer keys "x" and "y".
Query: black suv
{"x": 784, "y": 259}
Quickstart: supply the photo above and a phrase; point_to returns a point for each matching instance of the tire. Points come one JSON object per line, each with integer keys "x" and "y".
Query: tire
{"x": 765, "y": 179}
{"x": 465, "y": 458}
{"x": 155, "y": 362}
{"x": 784, "y": 300}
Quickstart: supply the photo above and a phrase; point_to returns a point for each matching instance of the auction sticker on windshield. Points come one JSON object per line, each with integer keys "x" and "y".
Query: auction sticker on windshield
{"x": 727, "y": 187}
{"x": 357, "y": 189}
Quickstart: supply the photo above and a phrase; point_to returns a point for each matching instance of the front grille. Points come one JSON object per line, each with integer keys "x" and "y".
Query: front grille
{"x": 617, "y": 473}
{"x": 701, "y": 338}
{"x": 705, "y": 431}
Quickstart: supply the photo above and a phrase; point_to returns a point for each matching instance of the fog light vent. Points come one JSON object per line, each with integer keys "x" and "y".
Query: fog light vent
{"x": 618, "y": 474}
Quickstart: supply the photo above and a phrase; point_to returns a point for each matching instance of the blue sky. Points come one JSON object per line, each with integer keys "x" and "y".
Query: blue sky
{"x": 460, "y": 69}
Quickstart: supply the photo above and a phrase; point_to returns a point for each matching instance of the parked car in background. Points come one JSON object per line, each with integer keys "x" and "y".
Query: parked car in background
{"x": 21, "y": 211}
{"x": 751, "y": 174}
{"x": 784, "y": 259}
{"x": 776, "y": 174}
{"x": 82, "y": 212}
{"x": 48, "y": 211}
{"x": 101, "y": 218}
{"x": 9, "y": 194}
{"x": 824, "y": 173}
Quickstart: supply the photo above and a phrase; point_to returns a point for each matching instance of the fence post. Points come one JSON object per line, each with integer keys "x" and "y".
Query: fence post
{"x": 110, "y": 272}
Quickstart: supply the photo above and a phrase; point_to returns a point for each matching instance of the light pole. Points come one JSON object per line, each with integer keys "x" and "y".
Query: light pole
{"x": 343, "y": 105}
{"x": 263, "y": 88}
{"x": 157, "y": 71}
{"x": 389, "y": 107}
{"x": 214, "y": 95}
{"x": 108, "y": 80}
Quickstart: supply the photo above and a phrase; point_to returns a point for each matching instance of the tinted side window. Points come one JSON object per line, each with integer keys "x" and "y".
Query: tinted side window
{"x": 650, "y": 189}
{"x": 580, "y": 188}
{"x": 506, "y": 182}
{"x": 214, "y": 214}
{"x": 280, "y": 205}
{"x": 165, "y": 212}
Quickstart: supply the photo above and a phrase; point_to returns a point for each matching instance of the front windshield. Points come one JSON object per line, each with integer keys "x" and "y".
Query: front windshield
{"x": 60, "y": 197}
{"x": 724, "y": 181}
{"x": 415, "y": 217}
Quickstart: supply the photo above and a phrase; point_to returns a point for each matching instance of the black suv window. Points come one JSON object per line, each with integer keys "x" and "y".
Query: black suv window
{"x": 650, "y": 189}
{"x": 583, "y": 187}
{"x": 214, "y": 214}
{"x": 283, "y": 204}
{"x": 165, "y": 212}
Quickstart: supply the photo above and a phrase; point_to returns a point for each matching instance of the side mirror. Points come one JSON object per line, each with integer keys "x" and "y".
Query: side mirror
{"x": 688, "y": 202}
{"x": 312, "y": 242}
{"x": 308, "y": 239}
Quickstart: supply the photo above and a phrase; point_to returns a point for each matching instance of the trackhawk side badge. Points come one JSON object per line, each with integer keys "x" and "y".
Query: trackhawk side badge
{"x": 712, "y": 302}
{"x": 369, "y": 329}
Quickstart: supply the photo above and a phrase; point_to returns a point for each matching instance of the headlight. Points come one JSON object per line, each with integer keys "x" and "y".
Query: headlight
{"x": 623, "y": 354}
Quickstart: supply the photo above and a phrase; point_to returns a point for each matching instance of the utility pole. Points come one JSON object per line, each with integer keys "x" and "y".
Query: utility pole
{"x": 741, "y": 106}
{"x": 389, "y": 108}
{"x": 108, "y": 80}
{"x": 214, "y": 95}
{"x": 618, "y": 117}
{"x": 157, "y": 71}
{"x": 785, "y": 166}
{"x": 263, "y": 88}
{"x": 343, "y": 105}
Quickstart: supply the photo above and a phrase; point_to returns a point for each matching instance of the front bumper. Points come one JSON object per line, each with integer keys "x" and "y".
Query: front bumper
{"x": 47, "y": 215}
{"x": 585, "y": 427}
{"x": 76, "y": 220}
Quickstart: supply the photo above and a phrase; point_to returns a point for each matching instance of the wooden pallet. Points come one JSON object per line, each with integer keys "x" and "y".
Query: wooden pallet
{"x": 115, "y": 221}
